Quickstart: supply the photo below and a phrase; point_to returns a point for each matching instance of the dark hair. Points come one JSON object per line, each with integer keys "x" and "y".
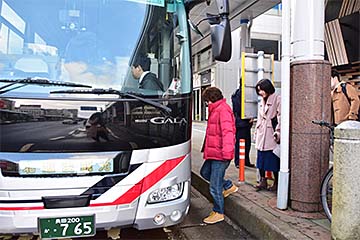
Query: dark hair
{"x": 335, "y": 73}
{"x": 143, "y": 61}
{"x": 212, "y": 94}
{"x": 266, "y": 86}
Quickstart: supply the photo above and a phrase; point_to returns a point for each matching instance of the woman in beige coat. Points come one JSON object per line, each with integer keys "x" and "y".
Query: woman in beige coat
{"x": 267, "y": 133}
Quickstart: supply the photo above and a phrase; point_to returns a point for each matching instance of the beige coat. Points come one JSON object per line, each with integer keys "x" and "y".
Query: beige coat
{"x": 342, "y": 109}
{"x": 264, "y": 130}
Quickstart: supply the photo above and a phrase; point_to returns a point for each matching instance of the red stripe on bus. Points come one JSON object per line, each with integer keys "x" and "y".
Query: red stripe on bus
{"x": 142, "y": 186}
{"x": 21, "y": 208}
{"x": 146, "y": 183}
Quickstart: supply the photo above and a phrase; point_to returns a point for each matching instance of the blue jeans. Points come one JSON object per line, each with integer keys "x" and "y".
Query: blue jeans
{"x": 214, "y": 172}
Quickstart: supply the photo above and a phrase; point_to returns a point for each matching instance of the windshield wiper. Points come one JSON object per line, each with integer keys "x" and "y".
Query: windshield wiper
{"x": 100, "y": 91}
{"x": 36, "y": 81}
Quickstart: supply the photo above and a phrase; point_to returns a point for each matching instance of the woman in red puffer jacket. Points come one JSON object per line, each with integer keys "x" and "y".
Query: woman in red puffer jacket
{"x": 218, "y": 151}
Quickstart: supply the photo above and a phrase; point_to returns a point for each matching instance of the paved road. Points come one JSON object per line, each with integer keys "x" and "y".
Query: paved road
{"x": 194, "y": 228}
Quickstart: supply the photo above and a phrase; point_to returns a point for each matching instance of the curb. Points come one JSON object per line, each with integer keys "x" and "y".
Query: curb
{"x": 256, "y": 220}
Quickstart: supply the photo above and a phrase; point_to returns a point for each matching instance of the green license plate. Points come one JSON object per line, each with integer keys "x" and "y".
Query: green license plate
{"x": 65, "y": 227}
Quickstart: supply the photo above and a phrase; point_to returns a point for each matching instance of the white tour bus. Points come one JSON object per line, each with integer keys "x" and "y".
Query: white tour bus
{"x": 120, "y": 72}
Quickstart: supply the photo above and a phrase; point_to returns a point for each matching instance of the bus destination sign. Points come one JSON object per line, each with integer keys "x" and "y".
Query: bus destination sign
{"x": 39, "y": 167}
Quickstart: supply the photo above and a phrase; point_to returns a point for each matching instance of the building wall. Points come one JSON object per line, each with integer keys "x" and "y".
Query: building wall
{"x": 268, "y": 26}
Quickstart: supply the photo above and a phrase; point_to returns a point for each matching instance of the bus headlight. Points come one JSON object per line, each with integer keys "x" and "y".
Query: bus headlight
{"x": 166, "y": 194}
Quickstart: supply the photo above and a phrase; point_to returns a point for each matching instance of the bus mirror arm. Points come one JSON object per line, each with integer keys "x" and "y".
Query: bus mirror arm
{"x": 220, "y": 28}
{"x": 223, "y": 7}
{"x": 221, "y": 33}
{"x": 210, "y": 18}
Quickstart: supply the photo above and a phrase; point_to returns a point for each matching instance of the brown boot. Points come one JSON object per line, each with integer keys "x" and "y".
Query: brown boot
{"x": 214, "y": 217}
{"x": 262, "y": 185}
{"x": 229, "y": 191}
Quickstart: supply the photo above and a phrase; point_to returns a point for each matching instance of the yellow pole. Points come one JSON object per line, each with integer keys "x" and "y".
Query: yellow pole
{"x": 242, "y": 85}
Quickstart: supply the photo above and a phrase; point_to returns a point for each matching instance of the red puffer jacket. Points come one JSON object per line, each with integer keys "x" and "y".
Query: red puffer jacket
{"x": 220, "y": 132}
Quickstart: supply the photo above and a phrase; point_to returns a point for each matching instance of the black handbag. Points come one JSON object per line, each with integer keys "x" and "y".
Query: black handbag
{"x": 274, "y": 122}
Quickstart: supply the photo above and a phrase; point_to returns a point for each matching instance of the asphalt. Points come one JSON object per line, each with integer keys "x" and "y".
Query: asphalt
{"x": 192, "y": 228}
{"x": 256, "y": 212}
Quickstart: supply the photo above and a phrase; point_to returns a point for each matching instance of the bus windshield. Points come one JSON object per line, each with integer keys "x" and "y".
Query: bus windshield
{"x": 127, "y": 46}
{"x": 93, "y": 75}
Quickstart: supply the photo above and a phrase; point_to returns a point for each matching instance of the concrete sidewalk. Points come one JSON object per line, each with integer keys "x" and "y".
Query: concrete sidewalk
{"x": 256, "y": 211}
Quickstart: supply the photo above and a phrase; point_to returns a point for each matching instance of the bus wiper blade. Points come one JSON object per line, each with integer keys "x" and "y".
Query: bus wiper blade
{"x": 100, "y": 91}
{"x": 36, "y": 81}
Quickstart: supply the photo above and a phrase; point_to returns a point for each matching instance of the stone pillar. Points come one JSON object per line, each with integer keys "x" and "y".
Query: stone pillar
{"x": 309, "y": 143}
{"x": 309, "y": 100}
{"x": 346, "y": 188}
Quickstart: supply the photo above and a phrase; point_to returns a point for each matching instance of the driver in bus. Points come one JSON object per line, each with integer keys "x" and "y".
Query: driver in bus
{"x": 140, "y": 70}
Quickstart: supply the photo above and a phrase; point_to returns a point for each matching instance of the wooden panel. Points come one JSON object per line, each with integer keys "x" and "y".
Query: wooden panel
{"x": 343, "y": 7}
{"x": 357, "y": 6}
{"x": 342, "y": 39}
{"x": 348, "y": 7}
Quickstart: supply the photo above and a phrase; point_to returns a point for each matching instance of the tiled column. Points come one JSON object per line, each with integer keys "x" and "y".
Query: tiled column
{"x": 309, "y": 143}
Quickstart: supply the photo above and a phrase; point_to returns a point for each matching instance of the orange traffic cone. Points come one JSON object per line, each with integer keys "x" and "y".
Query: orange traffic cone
{"x": 242, "y": 160}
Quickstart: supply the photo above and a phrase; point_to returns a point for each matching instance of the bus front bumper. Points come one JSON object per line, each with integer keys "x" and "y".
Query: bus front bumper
{"x": 137, "y": 215}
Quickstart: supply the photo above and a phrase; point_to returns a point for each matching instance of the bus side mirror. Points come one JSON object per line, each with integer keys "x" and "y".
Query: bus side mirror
{"x": 220, "y": 28}
{"x": 221, "y": 40}
{"x": 221, "y": 32}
